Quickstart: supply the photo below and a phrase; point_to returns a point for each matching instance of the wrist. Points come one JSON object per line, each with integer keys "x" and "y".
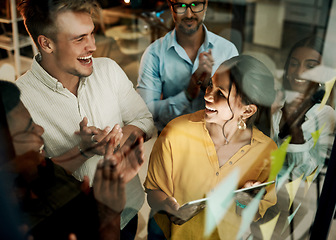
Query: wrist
{"x": 83, "y": 152}
{"x": 238, "y": 204}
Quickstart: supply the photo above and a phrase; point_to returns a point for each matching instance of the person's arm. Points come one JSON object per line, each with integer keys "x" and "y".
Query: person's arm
{"x": 309, "y": 154}
{"x": 128, "y": 130}
{"x": 161, "y": 202}
{"x": 159, "y": 183}
{"x": 150, "y": 87}
{"x": 93, "y": 142}
{"x": 113, "y": 172}
{"x": 134, "y": 112}
{"x": 200, "y": 78}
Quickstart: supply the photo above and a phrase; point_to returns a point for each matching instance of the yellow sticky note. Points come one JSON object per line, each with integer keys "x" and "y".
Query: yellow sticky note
{"x": 292, "y": 189}
{"x": 309, "y": 180}
{"x": 277, "y": 159}
{"x": 317, "y": 134}
{"x": 328, "y": 87}
{"x": 267, "y": 229}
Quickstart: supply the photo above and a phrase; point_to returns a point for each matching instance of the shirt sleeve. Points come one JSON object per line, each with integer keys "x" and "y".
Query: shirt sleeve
{"x": 313, "y": 153}
{"x": 133, "y": 109}
{"x": 150, "y": 87}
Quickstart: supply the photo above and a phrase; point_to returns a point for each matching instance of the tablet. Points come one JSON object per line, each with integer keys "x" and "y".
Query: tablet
{"x": 254, "y": 187}
{"x": 201, "y": 202}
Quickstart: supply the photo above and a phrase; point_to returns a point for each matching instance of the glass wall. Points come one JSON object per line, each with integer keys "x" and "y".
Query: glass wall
{"x": 244, "y": 149}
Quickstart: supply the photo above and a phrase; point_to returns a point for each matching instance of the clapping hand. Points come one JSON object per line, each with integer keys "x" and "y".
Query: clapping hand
{"x": 94, "y": 140}
{"x": 200, "y": 79}
{"x": 115, "y": 170}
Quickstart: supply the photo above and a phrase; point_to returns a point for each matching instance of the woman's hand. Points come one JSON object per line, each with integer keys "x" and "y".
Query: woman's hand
{"x": 242, "y": 199}
{"x": 180, "y": 216}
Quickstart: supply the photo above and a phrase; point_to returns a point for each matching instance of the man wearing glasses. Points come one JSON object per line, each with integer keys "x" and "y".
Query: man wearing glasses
{"x": 176, "y": 69}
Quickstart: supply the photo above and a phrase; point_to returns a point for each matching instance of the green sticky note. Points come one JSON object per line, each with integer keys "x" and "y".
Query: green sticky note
{"x": 282, "y": 179}
{"x": 277, "y": 159}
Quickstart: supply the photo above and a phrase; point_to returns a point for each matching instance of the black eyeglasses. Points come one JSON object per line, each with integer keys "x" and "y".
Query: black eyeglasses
{"x": 181, "y": 8}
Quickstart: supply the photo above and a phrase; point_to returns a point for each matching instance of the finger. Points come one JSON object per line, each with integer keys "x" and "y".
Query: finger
{"x": 83, "y": 123}
{"x": 256, "y": 183}
{"x": 210, "y": 57}
{"x": 173, "y": 203}
{"x": 113, "y": 134}
{"x": 121, "y": 185}
{"x": 210, "y": 52}
{"x": 109, "y": 167}
{"x": 108, "y": 150}
{"x": 118, "y": 137}
{"x": 139, "y": 152}
{"x": 102, "y": 135}
{"x": 93, "y": 130}
{"x": 85, "y": 186}
{"x": 98, "y": 176}
{"x": 72, "y": 236}
{"x": 129, "y": 144}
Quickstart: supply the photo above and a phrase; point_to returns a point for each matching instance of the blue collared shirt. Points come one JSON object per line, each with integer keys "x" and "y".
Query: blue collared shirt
{"x": 166, "y": 69}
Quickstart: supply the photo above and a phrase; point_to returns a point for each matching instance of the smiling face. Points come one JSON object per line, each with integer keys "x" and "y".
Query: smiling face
{"x": 217, "y": 108}
{"x": 301, "y": 60}
{"x": 74, "y": 45}
{"x": 189, "y": 22}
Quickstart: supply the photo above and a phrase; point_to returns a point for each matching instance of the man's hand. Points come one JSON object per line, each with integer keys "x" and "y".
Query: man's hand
{"x": 202, "y": 75}
{"x": 94, "y": 140}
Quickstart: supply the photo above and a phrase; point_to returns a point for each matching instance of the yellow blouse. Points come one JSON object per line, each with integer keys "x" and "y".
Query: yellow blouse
{"x": 184, "y": 164}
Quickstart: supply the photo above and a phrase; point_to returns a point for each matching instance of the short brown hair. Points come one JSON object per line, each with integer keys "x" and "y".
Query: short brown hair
{"x": 39, "y": 15}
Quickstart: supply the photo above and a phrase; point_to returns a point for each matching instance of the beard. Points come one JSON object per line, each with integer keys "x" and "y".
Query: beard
{"x": 187, "y": 30}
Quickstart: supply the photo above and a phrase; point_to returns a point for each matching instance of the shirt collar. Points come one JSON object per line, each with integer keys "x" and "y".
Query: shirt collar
{"x": 207, "y": 44}
{"x": 48, "y": 80}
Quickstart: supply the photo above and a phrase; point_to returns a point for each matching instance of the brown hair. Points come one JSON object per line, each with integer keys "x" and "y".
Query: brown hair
{"x": 39, "y": 15}
{"x": 253, "y": 81}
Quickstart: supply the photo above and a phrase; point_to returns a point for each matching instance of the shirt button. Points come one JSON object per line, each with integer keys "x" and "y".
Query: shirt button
{"x": 230, "y": 162}
{"x": 242, "y": 151}
{"x": 217, "y": 173}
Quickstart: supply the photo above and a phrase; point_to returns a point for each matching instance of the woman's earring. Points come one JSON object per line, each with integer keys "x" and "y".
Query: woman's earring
{"x": 241, "y": 124}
